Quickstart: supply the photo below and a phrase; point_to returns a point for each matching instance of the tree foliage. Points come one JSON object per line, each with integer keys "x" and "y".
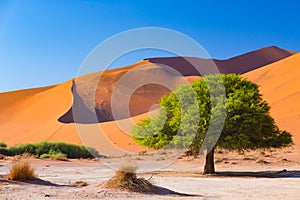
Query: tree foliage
{"x": 192, "y": 115}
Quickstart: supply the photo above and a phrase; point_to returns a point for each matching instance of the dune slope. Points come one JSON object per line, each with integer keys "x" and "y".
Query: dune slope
{"x": 31, "y": 115}
{"x": 280, "y": 85}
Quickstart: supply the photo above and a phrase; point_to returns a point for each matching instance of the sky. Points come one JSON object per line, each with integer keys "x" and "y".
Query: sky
{"x": 45, "y": 42}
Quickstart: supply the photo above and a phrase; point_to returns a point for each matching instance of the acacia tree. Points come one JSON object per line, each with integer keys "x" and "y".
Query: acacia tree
{"x": 240, "y": 121}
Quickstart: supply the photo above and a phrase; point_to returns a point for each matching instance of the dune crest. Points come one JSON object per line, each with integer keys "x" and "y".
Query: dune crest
{"x": 238, "y": 64}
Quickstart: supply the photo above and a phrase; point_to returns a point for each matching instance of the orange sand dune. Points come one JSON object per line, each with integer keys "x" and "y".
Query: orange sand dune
{"x": 148, "y": 82}
{"x": 94, "y": 91}
{"x": 280, "y": 85}
{"x": 31, "y": 115}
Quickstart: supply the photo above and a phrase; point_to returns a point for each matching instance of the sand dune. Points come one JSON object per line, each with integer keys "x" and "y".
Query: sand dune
{"x": 47, "y": 113}
{"x": 280, "y": 85}
{"x": 31, "y": 115}
{"x": 135, "y": 87}
{"x": 94, "y": 91}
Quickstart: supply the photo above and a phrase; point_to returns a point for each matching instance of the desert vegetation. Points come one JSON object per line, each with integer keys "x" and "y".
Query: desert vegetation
{"x": 2, "y": 145}
{"x": 54, "y": 155}
{"x": 22, "y": 171}
{"x": 56, "y": 150}
{"x": 248, "y": 123}
{"x": 126, "y": 179}
{"x": 80, "y": 183}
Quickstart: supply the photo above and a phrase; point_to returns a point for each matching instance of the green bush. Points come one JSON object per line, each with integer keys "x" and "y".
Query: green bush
{"x": 52, "y": 148}
{"x": 20, "y": 149}
{"x": 54, "y": 155}
{"x": 2, "y": 145}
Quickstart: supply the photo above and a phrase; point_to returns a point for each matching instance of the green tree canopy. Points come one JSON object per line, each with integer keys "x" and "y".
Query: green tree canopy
{"x": 219, "y": 110}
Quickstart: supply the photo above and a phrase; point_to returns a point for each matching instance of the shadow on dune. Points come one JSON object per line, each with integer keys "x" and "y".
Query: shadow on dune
{"x": 238, "y": 64}
{"x": 86, "y": 115}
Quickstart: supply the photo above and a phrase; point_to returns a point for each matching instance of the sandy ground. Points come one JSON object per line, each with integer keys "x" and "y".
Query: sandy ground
{"x": 240, "y": 177}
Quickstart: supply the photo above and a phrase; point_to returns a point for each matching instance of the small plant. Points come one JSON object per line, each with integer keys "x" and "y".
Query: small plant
{"x": 126, "y": 179}
{"x": 80, "y": 183}
{"x": 2, "y": 145}
{"x": 55, "y": 156}
{"x": 22, "y": 172}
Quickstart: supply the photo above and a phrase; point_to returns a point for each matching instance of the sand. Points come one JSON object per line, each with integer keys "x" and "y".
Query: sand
{"x": 280, "y": 85}
{"x": 182, "y": 176}
{"x": 31, "y": 115}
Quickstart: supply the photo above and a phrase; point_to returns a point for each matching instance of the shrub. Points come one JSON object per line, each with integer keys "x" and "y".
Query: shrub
{"x": 20, "y": 149}
{"x": 2, "y": 145}
{"x": 55, "y": 156}
{"x": 52, "y": 148}
{"x": 3, "y": 152}
{"x": 22, "y": 172}
{"x": 80, "y": 183}
{"x": 126, "y": 179}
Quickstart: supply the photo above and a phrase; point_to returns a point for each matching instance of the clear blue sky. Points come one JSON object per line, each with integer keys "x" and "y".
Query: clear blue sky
{"x": 44, "y": 42}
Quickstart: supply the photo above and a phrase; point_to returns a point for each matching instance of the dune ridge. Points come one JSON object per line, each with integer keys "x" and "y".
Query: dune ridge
{"x": 238, "y": 64}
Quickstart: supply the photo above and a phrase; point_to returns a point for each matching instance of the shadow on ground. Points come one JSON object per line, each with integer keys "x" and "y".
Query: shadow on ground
{"x": 5, "y": 180}
{"x": 165, "y": 191}
{"x": 263, "y": 174}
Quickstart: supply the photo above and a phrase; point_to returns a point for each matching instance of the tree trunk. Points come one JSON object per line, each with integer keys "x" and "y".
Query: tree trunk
{"x": 209, "y": 163}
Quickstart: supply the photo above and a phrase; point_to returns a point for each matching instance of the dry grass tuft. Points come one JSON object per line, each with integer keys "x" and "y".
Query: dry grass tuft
{"x": 126, "y": 179}
{"x": 80, "y": 183}
{"x": 22, "y": 171}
